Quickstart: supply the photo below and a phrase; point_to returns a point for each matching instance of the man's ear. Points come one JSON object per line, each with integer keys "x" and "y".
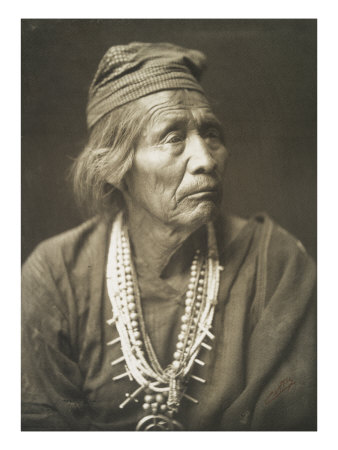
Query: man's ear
{"x": 121, "y": 186}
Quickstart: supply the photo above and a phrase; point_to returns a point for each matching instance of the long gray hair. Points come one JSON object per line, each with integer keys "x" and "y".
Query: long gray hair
{"x": 109, "y": 155}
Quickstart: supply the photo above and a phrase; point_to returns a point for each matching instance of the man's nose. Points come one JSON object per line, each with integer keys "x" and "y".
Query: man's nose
{"x": 200, "y": 156}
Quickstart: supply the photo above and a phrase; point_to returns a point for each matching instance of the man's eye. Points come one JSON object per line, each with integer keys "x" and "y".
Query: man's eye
{"x": 213, "y": 137}
{"x": 213, "y": 133}
{"x": 173, "y": 138}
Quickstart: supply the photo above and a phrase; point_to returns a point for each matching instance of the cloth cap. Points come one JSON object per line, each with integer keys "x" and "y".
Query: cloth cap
{"x": 129, "y": 72}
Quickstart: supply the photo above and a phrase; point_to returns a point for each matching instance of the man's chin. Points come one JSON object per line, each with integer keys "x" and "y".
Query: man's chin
{"x": 204, "y": 212}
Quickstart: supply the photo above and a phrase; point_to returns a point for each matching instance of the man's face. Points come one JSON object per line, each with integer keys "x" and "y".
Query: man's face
{"x": 179, "y": 161}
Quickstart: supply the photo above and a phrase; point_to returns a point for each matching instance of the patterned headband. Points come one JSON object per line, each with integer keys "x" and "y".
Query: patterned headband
{"x": 129, "y": 72}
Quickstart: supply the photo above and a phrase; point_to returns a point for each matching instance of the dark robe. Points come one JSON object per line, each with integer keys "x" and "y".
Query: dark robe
{"x": 260, "y": 373}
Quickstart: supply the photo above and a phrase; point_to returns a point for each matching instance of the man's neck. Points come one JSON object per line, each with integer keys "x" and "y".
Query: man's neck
{"x": 164, "y": 249}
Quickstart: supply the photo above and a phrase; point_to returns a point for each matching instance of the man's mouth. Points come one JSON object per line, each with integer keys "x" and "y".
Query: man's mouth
{"x": 204, "y": 192}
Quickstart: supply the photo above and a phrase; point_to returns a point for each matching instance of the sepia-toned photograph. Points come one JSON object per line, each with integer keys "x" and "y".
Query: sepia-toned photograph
{"x": 169, "y": 224}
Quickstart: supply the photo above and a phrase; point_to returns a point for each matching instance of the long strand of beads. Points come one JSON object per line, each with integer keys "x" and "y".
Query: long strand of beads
{"x": 188, "y": 325}
{"x": 117, "y": 291}
{"x": 196, "y": 321}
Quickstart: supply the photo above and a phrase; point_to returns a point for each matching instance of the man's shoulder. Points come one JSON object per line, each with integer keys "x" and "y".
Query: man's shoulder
{"x": 67, "y": 248}
{"x": 266, "y": 235}
{"x": 282, "y": 254}
{"x": 284, "y": 245}
{"x": 282, "y": 264}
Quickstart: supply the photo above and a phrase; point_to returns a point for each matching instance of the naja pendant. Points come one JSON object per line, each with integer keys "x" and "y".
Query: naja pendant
{"x": 158, "y": 423}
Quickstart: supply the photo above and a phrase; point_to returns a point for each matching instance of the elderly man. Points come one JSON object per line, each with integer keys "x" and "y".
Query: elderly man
{"x": 162, "y": 313}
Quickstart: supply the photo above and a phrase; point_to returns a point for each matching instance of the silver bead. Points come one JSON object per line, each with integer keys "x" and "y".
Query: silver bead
{"x": 189, "y": 294}
{"x": 137, "y": 334}
{"x": 198, "y": 297}
{"x": 198, "y": 361}
{"x": 148, "y": 398}
{"x": 188, "y": 309}
{"x": 200, "y": 289}
{"x": 176, "y": 364}
{"x": 184, "y": 327}
{"x": 208, "y": 347}
{"x": 193, "y": 274}
{"x": 159, "y": 398}
{"x": 181, "y": 337}
{"x": 134, "y": 323}
{"x": 127, "y": 269}
{"x": 130, "y": 298}
{"x": 177, "y": 355}
{"x": 192, "y": 399}
{"x": 154, "y": 407}
{"x": 146, "y": 406}
{"x": 129, "y": 277}
{"x": 131, "y": 306}
{"x": 188, "y": 301}
{"x": 184, "y": 319}
{"x": 179, "y": 345}
{"x": 130, "y": 290}
{"x": 201, "y": 282}
{"x": 201, "y": 380}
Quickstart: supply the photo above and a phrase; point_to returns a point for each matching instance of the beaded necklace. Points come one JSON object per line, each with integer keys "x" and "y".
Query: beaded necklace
{"x": 163, "y": 388}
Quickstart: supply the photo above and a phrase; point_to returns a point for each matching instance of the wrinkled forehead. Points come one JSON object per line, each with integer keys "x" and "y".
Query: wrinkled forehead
{"x": 177, "y": 105}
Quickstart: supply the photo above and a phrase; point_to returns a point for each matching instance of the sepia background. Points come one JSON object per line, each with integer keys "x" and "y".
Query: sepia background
{"x": 261, "y": 77}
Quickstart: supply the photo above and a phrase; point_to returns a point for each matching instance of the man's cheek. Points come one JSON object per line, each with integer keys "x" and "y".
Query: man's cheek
{"x": 158, "y": 184}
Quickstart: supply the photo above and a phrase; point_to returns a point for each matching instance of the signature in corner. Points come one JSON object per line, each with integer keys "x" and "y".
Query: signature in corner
{"x": 284, "y": 385}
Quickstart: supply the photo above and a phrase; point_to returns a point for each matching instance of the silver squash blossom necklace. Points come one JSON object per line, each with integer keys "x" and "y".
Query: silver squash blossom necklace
{"x": 162, "y": 389}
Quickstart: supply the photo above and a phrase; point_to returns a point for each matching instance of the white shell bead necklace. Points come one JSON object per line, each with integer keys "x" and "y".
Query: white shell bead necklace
{"x": 163, "y": 388}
